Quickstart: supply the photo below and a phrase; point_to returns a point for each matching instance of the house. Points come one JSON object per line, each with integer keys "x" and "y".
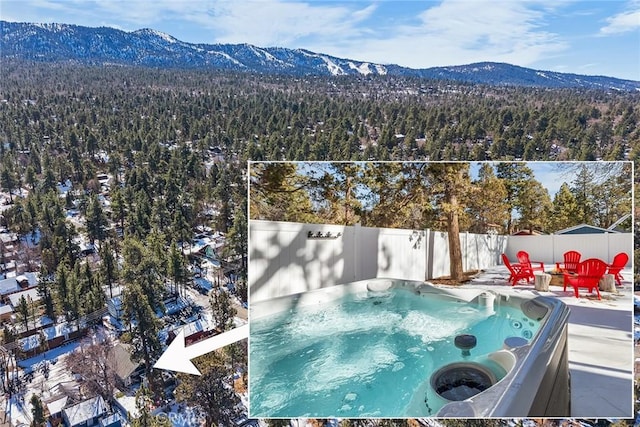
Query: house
{"x": 121, "y": 363}
{"x": 585, "y": 229}
{"x": 527, "y": 233}
{"x": 12, "y": 285}
{"x": 6, "y": 311}
{"x": 115, "y": 307}
{"x": 30, "y": 295}
{"x": 55, "y": 406}
{"x": 113, "y": 420}
{"x": 193, "y": 331}
{"x": 85, "y": 414}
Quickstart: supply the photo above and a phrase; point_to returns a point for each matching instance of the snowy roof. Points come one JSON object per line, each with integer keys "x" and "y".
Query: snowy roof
{"x": 193, "y": 327}
{"x": 30, "y": 342}
{"x": 33, "y": 341}
{"x": 27, "y": 294}
{"x": 120, "y": 360}
{"x": 176, "y": 305}
{"x": 56, "y": 406}
{"x": 8, "y": 237}
{"x": 8, "y": 285}
{"x": 85, "y": 411}
{"x": 64, "y": 188}
{"x": 4, "y": 309}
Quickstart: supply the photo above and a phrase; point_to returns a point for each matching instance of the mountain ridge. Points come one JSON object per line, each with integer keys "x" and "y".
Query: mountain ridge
{"x": 57, "y": 42}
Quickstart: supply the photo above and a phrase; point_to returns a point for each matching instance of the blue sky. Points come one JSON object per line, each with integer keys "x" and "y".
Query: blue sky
{"x": 583, "y": 37}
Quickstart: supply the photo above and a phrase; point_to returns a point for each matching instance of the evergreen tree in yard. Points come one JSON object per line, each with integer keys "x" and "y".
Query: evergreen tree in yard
{"x": 237, "y": 240}
{"x": 177, "y": 269}
{"x": 451, "y": 181}
{"x": 612, "y": 199}
{"x": 534, "y": 205}
{"x": 96, "y": 220}
{"x": 565, "y": 211}
{"x": 145, "y": 342}
{"x": 23, "y": 311}
{"x": 279, "y": 193}
{"x": 583, "y": 190}
{"x": 108, "y": 267}
{"x": 487, "y": 201}
{"x": 145, "y": 418}
{"x": 223, "y": 311}
{"x": 37, "y": 412}
{"x": 45, "y": 286}
{"x": 8, "y": 179}
{"x": 141, "y": 266}
{"x": 338, "y": 190}
{"x": 513, "y": 175}
{"x": 210, "y": 393}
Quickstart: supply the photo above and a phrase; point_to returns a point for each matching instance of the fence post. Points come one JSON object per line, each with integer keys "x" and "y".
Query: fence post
{"x": 356, "y": 251}
{"x": 427, "y": 247}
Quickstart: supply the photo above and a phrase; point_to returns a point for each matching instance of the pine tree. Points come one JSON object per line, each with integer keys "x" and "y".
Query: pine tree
{"x": 565, "y": 211}
{"x": 451, "y": 181}
{"x": 37, "y": 412}
{"x": 96, "y": 220}
{"x": 145, "y": 342}
{"x": 533, "y": 206}
{"x": 211, "y": 392}
{"x": 223, "y": 310}
{"x": 23, "y": 311}
{"x": 513, "y": 176}
{"x": 486, "y": 202}
{"x": 177, "y": 269}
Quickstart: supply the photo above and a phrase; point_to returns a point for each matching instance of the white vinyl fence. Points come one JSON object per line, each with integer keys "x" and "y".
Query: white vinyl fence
{"x": 550, "y": 249}
{"x": 287, "y": 258}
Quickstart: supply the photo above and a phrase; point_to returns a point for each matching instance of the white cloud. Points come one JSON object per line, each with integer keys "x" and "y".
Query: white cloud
{"x": 282, "y": 23}
{"x": 623, "y": 22}
{"x": 456, "y": 32}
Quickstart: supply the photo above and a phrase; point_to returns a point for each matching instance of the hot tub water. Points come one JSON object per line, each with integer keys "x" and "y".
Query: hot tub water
{"x": 373, "y": 353}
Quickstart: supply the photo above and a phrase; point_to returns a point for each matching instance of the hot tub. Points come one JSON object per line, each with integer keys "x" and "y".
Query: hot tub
{"x": 397, "y": 348}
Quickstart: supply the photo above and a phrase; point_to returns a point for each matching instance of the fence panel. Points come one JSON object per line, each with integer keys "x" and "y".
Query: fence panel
{"x": 283, "y": 260}
{"x": 550, "y": 249}
{"x": 287, "y": 258}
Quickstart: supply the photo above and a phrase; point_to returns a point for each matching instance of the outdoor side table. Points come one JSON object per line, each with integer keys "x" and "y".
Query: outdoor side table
{"x": 541, "y": 281}
{"x": 607, "y": 283}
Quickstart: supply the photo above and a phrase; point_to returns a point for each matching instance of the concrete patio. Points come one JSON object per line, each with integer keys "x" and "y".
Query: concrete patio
{"x": 601, "y": 347}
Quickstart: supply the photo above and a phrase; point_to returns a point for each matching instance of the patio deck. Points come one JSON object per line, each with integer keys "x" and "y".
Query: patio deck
{"x": 601, "y": 347}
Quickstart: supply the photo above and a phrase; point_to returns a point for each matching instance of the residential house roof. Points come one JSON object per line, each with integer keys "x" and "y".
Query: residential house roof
{"x": 56, "y": 406}
{"x": 9, "y": 285}
{"x": 120, "y": 360}
{"x": 585, "y": 229}
{"x": 84, "y": 412}
{"x": 527, "y": 233}
{"x": 27, "y": 294}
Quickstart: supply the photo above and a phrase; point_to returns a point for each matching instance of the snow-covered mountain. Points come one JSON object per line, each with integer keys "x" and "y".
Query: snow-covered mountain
{"x": 146, "y": 47}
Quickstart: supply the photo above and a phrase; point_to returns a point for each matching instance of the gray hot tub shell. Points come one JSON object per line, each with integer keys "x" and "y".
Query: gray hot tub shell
{"x": 537, "y": 382}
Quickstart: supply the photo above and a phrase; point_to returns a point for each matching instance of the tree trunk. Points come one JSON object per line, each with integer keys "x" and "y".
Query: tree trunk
{"x": 453, "y": 232}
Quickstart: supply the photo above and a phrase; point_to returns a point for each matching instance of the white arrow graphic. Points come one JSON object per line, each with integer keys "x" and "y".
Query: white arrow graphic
{"x": 177, "y": 357}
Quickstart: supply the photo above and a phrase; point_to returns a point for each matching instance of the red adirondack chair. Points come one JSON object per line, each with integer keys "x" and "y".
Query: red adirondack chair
{"x": 523, "y": 259}
{"x": 587, "y": 275}
{"x": 571, "y": 260}
{"x": 619, "y": 261}
{"x": 517, "y": 271}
